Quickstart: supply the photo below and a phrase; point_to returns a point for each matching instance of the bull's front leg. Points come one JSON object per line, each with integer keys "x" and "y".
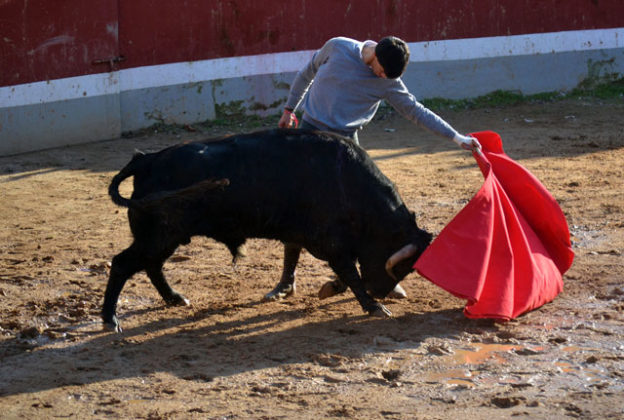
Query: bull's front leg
{"x": 348, "y": 274}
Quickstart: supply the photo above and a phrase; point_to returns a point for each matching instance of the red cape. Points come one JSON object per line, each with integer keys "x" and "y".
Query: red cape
{"x": 507, "y": 249}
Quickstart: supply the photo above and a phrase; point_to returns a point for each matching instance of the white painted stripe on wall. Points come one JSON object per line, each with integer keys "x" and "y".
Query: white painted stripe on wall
{"x": 220, "y": 68}
{"x": 151, "y": 76}
{"x": 59, "y": 89}
{"x": 514, "y": 45}
{"x": 224, "y": 68}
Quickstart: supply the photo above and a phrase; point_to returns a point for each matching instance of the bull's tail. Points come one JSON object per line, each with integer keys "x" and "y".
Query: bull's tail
{"x": 128, "y": 171}
{"x": 161, "y": 200}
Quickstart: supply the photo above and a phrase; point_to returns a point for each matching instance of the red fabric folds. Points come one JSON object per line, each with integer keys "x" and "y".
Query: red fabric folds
{"x": 507, "y": 249}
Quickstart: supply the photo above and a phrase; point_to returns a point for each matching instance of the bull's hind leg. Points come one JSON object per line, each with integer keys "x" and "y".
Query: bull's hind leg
{"x": 286, "y": 285}
{"x": 157, "y": 277}
{"x": 348, "y": 274}
{"x": 124, "y": 265}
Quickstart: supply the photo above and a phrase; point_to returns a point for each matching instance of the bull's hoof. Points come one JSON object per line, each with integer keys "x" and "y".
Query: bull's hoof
{"x": 177, "y": 300}
{"x": 239, "y": 254}
{"x": 112, "y": 325}
{"x": 327, "y": 290}
{"x": 331, "y": 288}
{"x": 397, "y": 293}
{"x": 281, "y": 291}
{"x": 380, "y": 311}
{"x": 241, "y": 251}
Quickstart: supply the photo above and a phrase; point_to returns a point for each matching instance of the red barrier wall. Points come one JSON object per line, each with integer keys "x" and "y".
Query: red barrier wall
{"x": 43, "y": 40}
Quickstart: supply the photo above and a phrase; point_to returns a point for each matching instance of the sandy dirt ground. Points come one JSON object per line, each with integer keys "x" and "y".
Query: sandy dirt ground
{"x": 231, "y": 356}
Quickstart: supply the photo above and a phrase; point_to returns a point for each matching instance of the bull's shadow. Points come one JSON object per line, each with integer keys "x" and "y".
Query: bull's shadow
{"x": 205, "y": 348}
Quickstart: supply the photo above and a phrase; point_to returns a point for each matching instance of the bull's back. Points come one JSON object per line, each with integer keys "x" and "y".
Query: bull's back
{"x": 276, "y": 177}
{"x": 284, "y": 159}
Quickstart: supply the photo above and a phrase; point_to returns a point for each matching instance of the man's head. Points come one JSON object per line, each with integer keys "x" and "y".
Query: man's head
{"x": 393, "y": 55}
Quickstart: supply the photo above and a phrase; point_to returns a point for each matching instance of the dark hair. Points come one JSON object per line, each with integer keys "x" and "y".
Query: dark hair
{"x": 393, "y": 55}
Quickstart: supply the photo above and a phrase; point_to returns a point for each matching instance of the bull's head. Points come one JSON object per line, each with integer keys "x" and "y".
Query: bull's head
{"x": 380, "y": 276}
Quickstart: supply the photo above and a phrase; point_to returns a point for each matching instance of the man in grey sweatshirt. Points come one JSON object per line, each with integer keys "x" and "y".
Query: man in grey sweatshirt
{"x": 345, "y": 82}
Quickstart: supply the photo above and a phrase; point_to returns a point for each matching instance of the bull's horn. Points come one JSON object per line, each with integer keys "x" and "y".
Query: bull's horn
{"x": 403, "y": 253}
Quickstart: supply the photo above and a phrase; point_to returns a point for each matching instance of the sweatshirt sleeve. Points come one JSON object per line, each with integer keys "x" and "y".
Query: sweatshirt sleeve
{"x": 406, "y": 104}
{"x": 306, "y": 75}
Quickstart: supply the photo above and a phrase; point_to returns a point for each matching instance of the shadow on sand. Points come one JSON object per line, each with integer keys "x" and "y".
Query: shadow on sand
{"x": 201, "y": 348}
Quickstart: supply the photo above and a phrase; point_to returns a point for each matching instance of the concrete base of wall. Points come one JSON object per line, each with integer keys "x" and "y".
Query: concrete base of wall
{"x": 53, "y": 124}
{"x": 179, "y": 104}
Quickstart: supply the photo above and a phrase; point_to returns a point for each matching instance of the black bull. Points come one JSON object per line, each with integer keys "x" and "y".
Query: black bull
{"x": 311, "y": 189}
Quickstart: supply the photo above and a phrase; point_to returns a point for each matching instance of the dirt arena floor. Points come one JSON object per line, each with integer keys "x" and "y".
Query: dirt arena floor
{"x": 230, "y": 356}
